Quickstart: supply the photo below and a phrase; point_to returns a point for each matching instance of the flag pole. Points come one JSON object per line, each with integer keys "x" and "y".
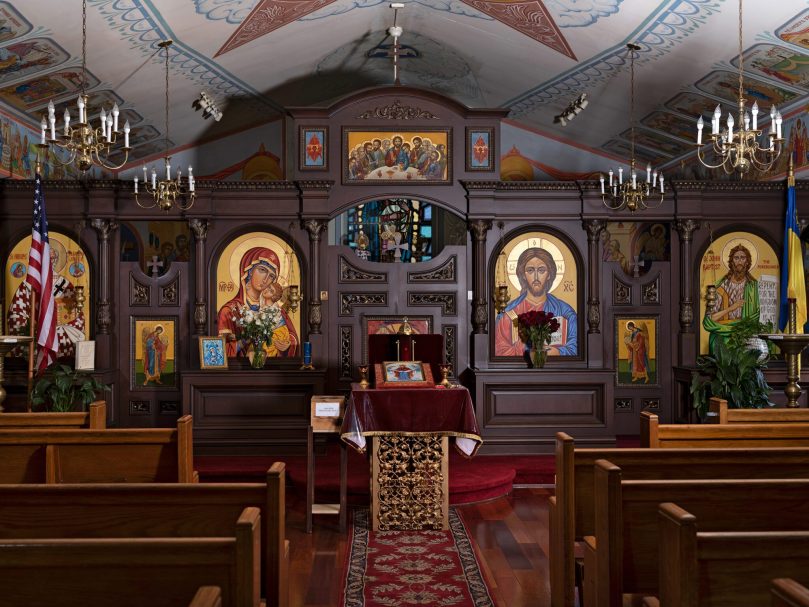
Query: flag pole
{"x": 31, "y": 347}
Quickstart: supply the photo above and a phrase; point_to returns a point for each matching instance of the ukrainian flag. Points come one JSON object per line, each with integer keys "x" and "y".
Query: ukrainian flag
{"x": 793, "y": 282}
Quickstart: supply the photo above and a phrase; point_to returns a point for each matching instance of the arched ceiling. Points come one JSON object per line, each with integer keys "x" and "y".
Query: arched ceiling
{"x": 534, "y": 57}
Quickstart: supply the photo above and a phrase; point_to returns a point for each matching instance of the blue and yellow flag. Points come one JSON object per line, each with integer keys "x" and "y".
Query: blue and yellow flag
{"x": 793, "y": 282}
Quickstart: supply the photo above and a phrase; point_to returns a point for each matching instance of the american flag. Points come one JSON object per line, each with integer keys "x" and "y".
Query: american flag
{"x": 40, "y": 277}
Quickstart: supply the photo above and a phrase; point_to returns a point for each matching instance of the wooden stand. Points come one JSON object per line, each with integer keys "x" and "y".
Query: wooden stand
{"x": 321, "y": 424}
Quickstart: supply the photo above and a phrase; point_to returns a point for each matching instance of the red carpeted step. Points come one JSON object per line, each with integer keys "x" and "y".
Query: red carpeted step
{"x": 478, "y": 479}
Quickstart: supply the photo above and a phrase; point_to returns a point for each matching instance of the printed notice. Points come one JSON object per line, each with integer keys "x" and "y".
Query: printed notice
{"x": 85, "y": 355}
{"x": 327, "y": 409}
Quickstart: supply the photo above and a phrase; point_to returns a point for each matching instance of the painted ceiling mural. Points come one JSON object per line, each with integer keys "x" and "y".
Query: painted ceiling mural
{"x": 534, "y": 57}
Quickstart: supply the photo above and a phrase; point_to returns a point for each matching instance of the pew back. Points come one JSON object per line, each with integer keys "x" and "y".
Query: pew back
{"x": 131, "y": 572}
{"x": 789, "y": 593}
{"x": 45, "y": 455}
{"x": 691, "y": 436}
{"x": 154, "y": 510}
{"x": 724, "y": 568}
{"x": 769, "y": 415}
{"x": 626, "y": 520}
{"x": 571, "y": 510}
{"x": 207, "y": 596}
{"x": 94, "y": 419}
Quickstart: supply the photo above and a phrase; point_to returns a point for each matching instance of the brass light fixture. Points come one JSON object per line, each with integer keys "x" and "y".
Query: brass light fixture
{"x": 87, "y": 146}
{"x": 167, "y": 193}
{"x": 501, "y": 288}
{"x": 632, "y": 193}
{"x": 744, "y": 148}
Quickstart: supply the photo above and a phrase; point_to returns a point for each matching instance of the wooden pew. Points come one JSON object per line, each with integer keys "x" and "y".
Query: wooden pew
{"x": 789, "y": 593}
{"x": 626, "y": 522}
{"x": 132, "y": 572}
{"x": 768, "y": 415}
{"x": 43, "y": 455}
{"x": 207, "y": 596}
{"x": 154, "y": 510}
{"x": 94, "y": 419}
{"x": 724, "y": 568}
{"x": 690, "y": 436}
{"x": 571, "y": 510}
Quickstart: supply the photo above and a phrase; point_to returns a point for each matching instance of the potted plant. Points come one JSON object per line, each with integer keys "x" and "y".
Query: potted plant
{"x": 61, "y": 388}
{"x": 734, "y": 369}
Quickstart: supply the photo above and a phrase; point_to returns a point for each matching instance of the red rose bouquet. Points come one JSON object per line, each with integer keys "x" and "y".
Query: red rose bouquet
{"x": 535, "y": 329}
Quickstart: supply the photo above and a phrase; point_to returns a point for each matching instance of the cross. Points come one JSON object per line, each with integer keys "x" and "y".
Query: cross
{"x": 398, "y": 248}
{"x": 155, "y": 265}
{"x": 59, "y": 288}
{"x": 636, "y": 266}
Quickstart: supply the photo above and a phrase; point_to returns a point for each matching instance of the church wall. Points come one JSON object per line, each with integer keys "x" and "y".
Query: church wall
{"x": 241, "y": 410}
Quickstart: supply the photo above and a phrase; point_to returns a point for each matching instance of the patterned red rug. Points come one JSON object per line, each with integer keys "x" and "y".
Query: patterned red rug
{"x": 392, "y": 568}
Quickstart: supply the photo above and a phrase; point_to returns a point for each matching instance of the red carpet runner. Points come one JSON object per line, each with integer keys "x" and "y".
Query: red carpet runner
{"x": 393, "y": 568}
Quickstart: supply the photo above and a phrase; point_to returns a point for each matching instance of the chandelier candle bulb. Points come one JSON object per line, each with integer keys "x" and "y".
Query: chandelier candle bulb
{"x": 67, "y": 122}
{"x": 661, "y": 183}
{"x": 103, "y": 118}
{"x": 136, "y": 184}
{"x": 778, "y": 122}
{"x": 700, "y": 125}
{"x": 648, "y": 173}
{"x": 168, "y": 172}
{"x": 601, "y": 179}
{"x": 754, "y": 111}
{"x": 654, "y": 179}
{"x": 634, "y": 181}
{"x": 126, "y": 134}
{"x": 620, "y": 176}
{"x": 154, "y": 179}
{"x": 610, "y": 177}
{"x": 44, "y": 126}
{"x": 81, "y": 109}
{"x": 115, "y": 113}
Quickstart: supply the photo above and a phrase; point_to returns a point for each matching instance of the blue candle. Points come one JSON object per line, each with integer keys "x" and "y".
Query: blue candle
{"x": 307, "y": 353}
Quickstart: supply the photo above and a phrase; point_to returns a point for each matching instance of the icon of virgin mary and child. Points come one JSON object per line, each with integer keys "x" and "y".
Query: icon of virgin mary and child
{"x": 258, "y": 289}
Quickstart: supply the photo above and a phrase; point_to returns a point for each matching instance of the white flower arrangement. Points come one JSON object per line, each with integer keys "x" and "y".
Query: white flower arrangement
{"x": 258, "y": 326}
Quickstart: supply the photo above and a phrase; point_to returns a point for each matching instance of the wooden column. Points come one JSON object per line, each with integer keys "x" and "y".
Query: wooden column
{"x": 315, "y": 227}
{"x": 103, "y": 227}
{"x": 200, "y": 229}
{"x": 594, "y": 228}
{"x": 688, "y": 340}
{"x": 480, "y": 296}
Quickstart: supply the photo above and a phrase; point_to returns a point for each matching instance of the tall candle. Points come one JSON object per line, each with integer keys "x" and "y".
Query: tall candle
{"x": 307, "y": 353}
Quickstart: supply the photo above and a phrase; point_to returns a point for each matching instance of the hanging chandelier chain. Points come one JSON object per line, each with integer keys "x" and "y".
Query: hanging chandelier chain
{"x": 83, "y": 46}
{"x": 632, "y": 105}
{"x": 741, "y": 63}
{"x": 167, "y": 101}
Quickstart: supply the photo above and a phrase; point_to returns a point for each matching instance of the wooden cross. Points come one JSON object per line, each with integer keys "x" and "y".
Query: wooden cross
{"x": 155, "y": 265}
{"x": 637, "y": 264}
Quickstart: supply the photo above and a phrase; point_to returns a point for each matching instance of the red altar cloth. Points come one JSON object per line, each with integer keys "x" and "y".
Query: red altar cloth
{"x": 445, "y": 411}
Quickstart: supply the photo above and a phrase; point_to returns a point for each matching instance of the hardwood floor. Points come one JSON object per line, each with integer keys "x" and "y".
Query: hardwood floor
{"x": 510, "y": 533}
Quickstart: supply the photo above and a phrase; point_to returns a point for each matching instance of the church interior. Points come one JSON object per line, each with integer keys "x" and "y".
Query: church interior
{"x": 357, "y": 303}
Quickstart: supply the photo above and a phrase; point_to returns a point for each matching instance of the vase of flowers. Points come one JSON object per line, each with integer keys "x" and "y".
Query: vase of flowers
{"x": 535, "y": 329}
{"x": 256, "y": 328}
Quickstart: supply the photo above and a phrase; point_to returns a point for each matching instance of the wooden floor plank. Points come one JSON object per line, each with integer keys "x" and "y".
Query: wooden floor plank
{"x": 510, "y": 533}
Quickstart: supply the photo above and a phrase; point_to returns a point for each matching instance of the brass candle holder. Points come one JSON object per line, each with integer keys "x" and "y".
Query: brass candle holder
{"x": 364, "y": 383}
{"x": 791, "y": 345}
{"x": 500, "y": 298}
{"x": 445, "y": 369}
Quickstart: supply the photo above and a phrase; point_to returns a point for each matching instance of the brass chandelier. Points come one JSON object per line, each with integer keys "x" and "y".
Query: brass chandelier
{"x": 744, "y": 148}
{"x": 87, "y": 145}
{"x": 630, "y": 192}
{"x": 167, "y": 193}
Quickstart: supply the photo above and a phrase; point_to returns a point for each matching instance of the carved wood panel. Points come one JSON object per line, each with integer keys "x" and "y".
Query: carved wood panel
{"x": 621, "y": 292}
{"x": 447, "y": 301}
{"x": 348, "y": 301}
{"x": 444, "y": 273}
{"x": 349, "y": 273}
{"x": 139, "y": 294}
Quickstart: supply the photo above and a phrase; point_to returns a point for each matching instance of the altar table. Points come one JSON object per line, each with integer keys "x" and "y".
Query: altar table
{"x": 409, "y": 460}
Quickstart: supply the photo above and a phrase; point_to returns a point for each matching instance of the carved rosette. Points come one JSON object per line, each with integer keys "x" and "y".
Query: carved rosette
{"x": 169, "y": 294}
{"x": 686, "y": 315}
{"x": 138, "y": 293}
{"x": 480, "y": 315}
{"x": 315, "y": 317}
{"x": 199, "y": 227}
{"x": 409, "y": 485}
{"x": 104, "y": 317}
{"x": 200, "y": 317}
{"x": 397, "y": 111}
{"x": 593, "y": 315}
